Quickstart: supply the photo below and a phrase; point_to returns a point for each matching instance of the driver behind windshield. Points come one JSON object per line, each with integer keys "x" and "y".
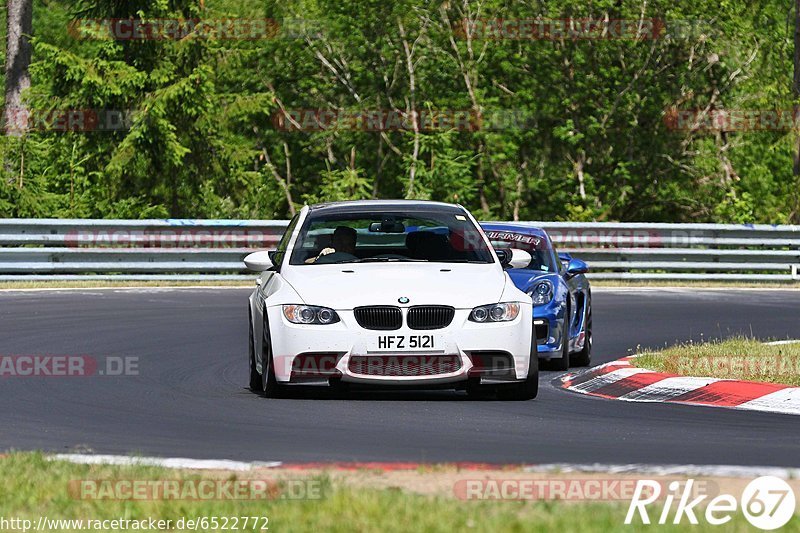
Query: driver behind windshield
{"x": 343, "y": 247}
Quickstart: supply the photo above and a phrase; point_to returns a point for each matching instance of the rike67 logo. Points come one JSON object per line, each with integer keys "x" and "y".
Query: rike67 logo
{"x": 767, "y": 502}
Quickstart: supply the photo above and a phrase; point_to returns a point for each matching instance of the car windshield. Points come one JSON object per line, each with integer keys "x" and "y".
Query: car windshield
{"x": 389, "y": 236}
{"x": 538, "y": 247}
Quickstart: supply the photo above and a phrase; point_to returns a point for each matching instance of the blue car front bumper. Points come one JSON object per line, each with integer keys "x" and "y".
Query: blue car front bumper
{"x": 549, "y": 322}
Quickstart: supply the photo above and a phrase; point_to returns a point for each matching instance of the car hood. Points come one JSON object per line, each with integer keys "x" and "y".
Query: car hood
{"x": 345, "y": 286}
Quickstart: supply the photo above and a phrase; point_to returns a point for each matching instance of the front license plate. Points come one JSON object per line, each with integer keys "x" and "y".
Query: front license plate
{"x": 389, "y": 343}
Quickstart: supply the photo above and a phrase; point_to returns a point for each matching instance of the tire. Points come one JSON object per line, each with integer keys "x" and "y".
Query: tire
{"x": 270, "y": 388}
{"x": 584, "y": 357}
{"x": 562, "y": 364}
{"x": 255, "y": 377}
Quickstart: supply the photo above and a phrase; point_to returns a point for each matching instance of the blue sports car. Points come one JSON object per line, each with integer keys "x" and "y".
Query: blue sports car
{"x": 562, "y": 297}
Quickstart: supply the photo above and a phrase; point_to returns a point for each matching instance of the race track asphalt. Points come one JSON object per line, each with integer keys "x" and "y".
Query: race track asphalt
{"x": 190, "y": 397}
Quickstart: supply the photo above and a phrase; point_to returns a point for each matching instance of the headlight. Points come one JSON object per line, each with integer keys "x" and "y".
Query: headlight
{"x": 309, "y": 314}
{"x": 495, "y": 313}
{"x": 542, "y": 293}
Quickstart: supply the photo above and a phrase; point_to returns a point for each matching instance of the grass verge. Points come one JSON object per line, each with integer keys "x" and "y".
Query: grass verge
{"x": 32, "y": 486}
{"x": 736, "y": 358}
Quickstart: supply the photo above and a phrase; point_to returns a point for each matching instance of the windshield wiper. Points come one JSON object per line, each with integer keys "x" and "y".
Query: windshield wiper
{"x": 384, "y": 260}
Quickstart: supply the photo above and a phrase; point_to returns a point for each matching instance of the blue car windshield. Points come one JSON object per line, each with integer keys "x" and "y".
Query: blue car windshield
{"x": 541, "y": 253}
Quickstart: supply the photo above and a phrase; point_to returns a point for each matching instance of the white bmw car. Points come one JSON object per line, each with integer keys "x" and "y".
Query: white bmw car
{"x": 390, "y": 293}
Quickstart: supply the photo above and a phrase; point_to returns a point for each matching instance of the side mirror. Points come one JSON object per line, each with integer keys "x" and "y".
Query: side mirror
{"x": 258, "y": 261}
{"x": 576, "y": 266}
{"x": 519, "y": 258}
{"x": 565, "y": 258}
{"x": 513, "y": 258}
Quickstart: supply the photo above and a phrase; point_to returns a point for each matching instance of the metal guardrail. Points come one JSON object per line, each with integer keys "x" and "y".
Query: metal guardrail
{"x": 34, "y": 249}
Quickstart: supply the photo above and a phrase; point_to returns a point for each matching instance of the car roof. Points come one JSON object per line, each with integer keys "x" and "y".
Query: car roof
{"x": 385, "y": 205}
{"x": 514, "y": 228}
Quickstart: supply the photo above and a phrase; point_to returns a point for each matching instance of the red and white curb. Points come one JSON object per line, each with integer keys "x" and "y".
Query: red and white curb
{"x": 620, "y": 380}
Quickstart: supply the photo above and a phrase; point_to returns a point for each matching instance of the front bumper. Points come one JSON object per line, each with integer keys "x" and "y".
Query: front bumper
{"x": 471, "y": 344}
{"x": 550, "y": 336}
{"x": 550, "y": 323}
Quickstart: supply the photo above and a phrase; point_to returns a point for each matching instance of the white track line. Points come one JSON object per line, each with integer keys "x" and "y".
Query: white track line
{"x": 174, "y": 462}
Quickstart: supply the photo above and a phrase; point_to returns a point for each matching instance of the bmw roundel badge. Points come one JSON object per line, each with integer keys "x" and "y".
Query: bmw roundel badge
{"x": 403, "y": 300}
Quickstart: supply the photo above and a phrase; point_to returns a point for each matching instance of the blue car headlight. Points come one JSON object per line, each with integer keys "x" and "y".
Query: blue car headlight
{"x": 542, "y": 293}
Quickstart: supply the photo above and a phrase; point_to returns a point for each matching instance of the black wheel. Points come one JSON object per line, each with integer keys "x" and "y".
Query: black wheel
{"x": 562, "y": 364}
{"x": 584, "y": 357}
{"x": 528, "y": 389}
{"x": 270, "y": 387}
{"x": 255, "y": 377}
